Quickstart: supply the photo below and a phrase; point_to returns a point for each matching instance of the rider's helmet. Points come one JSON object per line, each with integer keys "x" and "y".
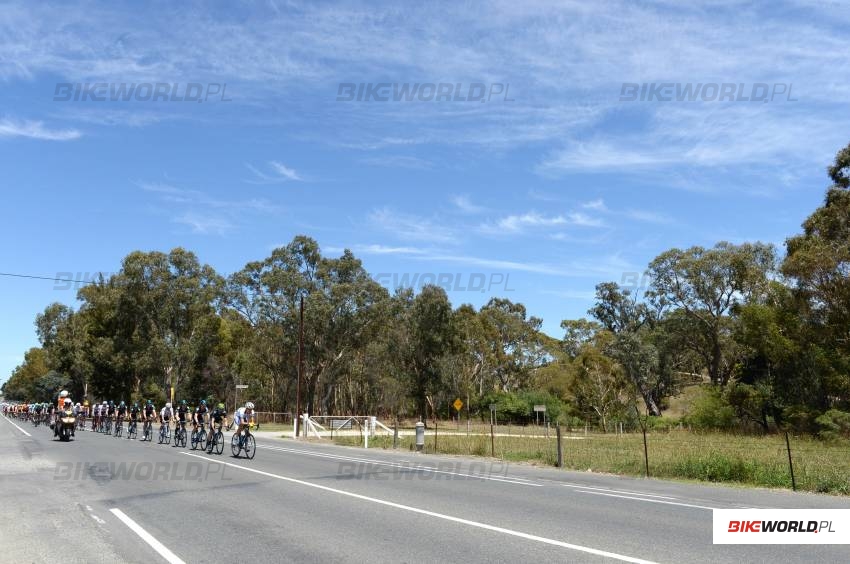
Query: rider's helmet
{"x": 136, "y": 404}
{"x": 111, "y": 403}
{"x": 168, "y": 405}
{"x": 220, "y": 406}
{"x": 182, "y": 402}
{"x": 122, "y": 404}
{"x": 78, "y": 404}
{"x": 63, "y": 394}
{"x": 249, "y": 405}
{"x": 203, "y": 402}
{"x": 149, "y": 402}
{"x": 105, "y": 402}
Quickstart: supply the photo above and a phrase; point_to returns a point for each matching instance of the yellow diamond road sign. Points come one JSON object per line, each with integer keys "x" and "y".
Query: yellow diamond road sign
{"x": 458, "y": 404}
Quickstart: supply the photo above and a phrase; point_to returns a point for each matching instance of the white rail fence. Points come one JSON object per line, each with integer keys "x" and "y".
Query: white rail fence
{"x": 325, "y": 426}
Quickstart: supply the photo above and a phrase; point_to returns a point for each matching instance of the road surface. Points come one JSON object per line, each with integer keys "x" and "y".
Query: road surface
{"x": 100, "y": 498}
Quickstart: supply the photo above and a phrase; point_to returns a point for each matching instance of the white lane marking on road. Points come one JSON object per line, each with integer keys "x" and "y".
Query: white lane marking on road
{"x": 443, "y": 516}
{"x": 98, "y": 519}
{"x": 88, "y": 508}
{"x": 648, "y": 500}
{"x": 618, "y": 491}
{"x": 415, "y": 468}
{"x": 147, "y": 537}
{"x": 16, "y": 427}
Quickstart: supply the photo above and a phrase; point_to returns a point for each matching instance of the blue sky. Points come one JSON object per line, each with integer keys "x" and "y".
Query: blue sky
{"x": 555, "y": 189}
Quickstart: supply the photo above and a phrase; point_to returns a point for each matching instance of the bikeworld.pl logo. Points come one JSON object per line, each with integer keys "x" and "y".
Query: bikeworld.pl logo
{"x": 140, "y": 92}
{"x": 706, "y": 92}
{"x": 422, "y": 92}
{"x": 781, "y": 526}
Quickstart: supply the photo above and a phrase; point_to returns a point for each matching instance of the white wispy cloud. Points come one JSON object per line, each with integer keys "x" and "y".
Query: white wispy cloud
{"x": 521, "y": 223}
{"x": 35, "y": 130}
{"x": 464, "y": 204}
{"x": 207, "y": 214}
{"x": 598, "y": 205}
{"x": 398, "y": 161}
{"x": 277, "y": 174}
{"x": 205, "y": 224}
{"x": 412, "y": 227}
{"x": 284, "y": 171}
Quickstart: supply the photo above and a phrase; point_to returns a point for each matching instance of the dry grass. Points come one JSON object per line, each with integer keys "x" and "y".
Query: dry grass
{"x": 711, "y": 457}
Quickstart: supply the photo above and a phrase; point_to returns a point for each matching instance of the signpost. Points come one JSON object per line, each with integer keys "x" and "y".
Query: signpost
{"x": 538, "y": 409}
{"x": 236, "y": 395}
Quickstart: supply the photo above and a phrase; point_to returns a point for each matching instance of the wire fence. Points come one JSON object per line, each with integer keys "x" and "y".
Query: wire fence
{"x": 798, "y": 462}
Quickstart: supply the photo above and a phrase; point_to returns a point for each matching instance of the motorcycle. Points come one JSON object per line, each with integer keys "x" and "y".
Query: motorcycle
{"x": 67, "y": 422}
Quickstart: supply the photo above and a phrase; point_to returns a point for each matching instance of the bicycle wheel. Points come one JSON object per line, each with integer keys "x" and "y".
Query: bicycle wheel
{"x": 250, "y": 447}
{"x": 167, "y": 435}
{"x": 202, "y": 439}
{"x": 234, "y": 445}
{"x": 131, "y": 432}
{"x": 194, "y": 440}
{"x": 219, "y": 443}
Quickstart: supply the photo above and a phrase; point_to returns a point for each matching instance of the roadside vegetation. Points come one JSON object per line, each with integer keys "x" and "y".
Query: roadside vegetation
{"x": 718, "y": 351}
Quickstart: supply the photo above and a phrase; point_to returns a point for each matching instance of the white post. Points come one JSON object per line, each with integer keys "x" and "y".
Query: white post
{"x": 294, "y": 426}
{"x": 366, "y": 435}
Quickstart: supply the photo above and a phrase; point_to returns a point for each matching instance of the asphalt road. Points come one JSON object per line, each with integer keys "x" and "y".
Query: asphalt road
{"x": 100, "y": 498}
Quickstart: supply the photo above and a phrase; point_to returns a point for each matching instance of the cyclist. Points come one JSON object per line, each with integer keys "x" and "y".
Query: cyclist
{"x": 121, "y": 413}
{"x": 199, "y": 415}
{"x": 134, "y": 415}
{"x": 149, "y": 412}
{"x": 218, "y": 416}
{"x": 182, "y": 415}
{"x": 166, "y": 414}
{"x": 243, "y": 417}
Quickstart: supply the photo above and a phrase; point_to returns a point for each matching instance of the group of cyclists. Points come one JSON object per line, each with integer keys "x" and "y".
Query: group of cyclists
{"x": 109, "y": 417}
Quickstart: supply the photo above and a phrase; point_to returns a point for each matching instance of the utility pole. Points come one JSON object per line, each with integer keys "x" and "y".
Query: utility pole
{"x": 300, "y": 370}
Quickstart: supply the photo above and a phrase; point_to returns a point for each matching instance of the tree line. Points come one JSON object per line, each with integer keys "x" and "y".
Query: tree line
{"x": 765, "y": 336}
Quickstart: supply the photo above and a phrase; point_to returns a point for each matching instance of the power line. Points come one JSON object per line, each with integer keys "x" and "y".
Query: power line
{"x": 12, "y": 275}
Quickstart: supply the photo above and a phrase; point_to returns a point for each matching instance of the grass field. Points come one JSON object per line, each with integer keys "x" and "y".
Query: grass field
{"x": 680, "y": 454}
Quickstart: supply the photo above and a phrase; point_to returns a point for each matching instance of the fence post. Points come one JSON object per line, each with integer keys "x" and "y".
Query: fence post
{"x": 560, "y": 449}
{"x": 492, "y": 442}
{"x": 435, "y": 434}
{"x": 645, "y": 451}
{"x": 790, "y": 464}
{"x": 395, "y": 435}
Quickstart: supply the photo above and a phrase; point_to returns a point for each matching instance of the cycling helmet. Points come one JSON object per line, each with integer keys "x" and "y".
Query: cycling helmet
{"x": 203, "y": 402}
{"x": 105, "y": 403}
{"x": 122, "y": 404}
{"x": 136, "y": 404}
{"x": 149, "y": 402}
{"x": 220, "y": 406}
{"x": 63, "y": 394}
{"x": 249, "y": 405}
{"x": 182, "y": 402}
{"x": 168, "y": 405}
{"x": 78, "y": 404}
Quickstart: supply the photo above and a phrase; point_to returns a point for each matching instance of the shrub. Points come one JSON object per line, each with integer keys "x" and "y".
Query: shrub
{"x": 710, "y": 410}
{"x": 833, "y": 425}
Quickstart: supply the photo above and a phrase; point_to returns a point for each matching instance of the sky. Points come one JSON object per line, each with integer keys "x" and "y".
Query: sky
{"x": 563, "y": 150}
